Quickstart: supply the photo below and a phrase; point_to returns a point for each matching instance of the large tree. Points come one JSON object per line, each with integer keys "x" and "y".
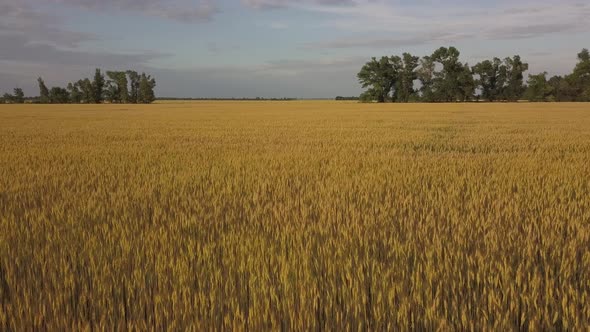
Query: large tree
{"x": 43, "y": 91}
{"x": 146, "y": 89}
{"x": 580, "y": 78}
{"x": 134, "y": 79}
{"x": 538, "y": 88}
{"x": 19, "y": 96}
{"x": 75, "y": 93}
{"x": 447, "y": 86}
{"x": 86, "y": 90}
{"x": 466, "y": 84}
{"x": 406, "y": 75}
{"x": 379, "y": 76}
{"x": 7, "y": 98}
{"x": 491, "y": 78}
{"x": 117, "y": 90}
{"x": 425, "y": 74}
{"x": 98, "y": 86}
{"x": 515, "y": 70}
{"x": 58, "y": 95}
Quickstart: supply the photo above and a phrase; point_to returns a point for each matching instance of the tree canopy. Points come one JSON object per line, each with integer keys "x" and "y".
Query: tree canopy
{"x": 117, "y": 87}
{"x": 442, "y": 77}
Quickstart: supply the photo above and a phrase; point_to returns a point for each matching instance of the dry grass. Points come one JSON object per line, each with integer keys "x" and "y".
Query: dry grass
{"x": 295, "y": 216}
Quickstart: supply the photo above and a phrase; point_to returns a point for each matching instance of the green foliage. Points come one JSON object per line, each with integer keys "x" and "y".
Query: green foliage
{"x": 116, "y": 88}
{"x": 515, "y": 69}
{"x": 19, "y": 96}
{"x": 492, "y": 76}
{"x": 466, "y": 84}
{"x": 444, "y": 78}
{"x": 146, "y": 89}
{"x": 406, "y": 74}
{"x": 43, "y": 92}
{"x": 580, "y": 78}
{"x": 501, "y": 80}
{"x": 380, "y": 76}
{"x": 98, "y": 86}
{"x": 538, "y": 88}
{"x": 134, "y": 79}
{"x": 121, "y": 87}
{"x": 59, "y": 95}
{"x": 75, "y": 95}
{"x": 369, "y": 96}
{"x": 389, "y": 78}
{"x": 346, "y": 98}
{"x": 447, "y": 84}
{"x": 7, "y": 98}
{"x": 86, "y": 90}
{"x": 426, "y": 76}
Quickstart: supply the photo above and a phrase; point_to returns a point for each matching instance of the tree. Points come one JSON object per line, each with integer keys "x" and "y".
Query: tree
{"x": 74, "y": 92}
{"x": 7, "y": 98}
{"x": 19, "y": 96}
{"x": 561, "y": 89}
{"x": 59, "y": 95}
{"x": 86, "y": 90}
{"x": 406, "y": 75}
{"x": 425, "y": 74}
{"x": 369, "y": 96}
{"x": 446, "y": 82}
{"x": 491, "y": 78}
{"x": 379, "y": 76}
{"x": 515, "y": 69}
{"x": 466, "y": 84}
{"x": 117, "y": 90}
{"x": 43, "y": 92}
{"x": 98, "y": 87}
{"x": 123, "y": 88}
{"x": 111, "y": 93}
{"x": 538, "y": 88}
{"x": 134, "y": 79}
{"x": 146, "y": 89}
{"x": 580, "y": 78}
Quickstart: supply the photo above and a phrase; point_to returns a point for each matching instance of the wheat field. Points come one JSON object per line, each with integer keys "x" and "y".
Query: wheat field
{"x": 295, "y": 216}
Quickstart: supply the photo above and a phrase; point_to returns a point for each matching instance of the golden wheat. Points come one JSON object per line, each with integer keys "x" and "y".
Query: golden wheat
{"x": 295, "y": 216}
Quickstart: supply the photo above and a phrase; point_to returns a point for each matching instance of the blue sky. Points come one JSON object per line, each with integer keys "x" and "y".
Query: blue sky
{"x": 272, "y": 48}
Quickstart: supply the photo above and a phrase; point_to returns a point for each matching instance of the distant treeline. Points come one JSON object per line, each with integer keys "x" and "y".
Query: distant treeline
{"x": 442, "y": 77}
{"x": 347, "y": 98}
{"x": 227, "y": 99}
{"x": 118, "y": 87}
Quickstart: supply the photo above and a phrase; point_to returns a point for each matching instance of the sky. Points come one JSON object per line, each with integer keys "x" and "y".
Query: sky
{"x": 273, "y": 48}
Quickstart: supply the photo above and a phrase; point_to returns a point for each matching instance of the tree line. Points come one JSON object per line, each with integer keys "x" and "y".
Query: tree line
{"x": 116, "y": 87}
{"x": 442, "y": 77}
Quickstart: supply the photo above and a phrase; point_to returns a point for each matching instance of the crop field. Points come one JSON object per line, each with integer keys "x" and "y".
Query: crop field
{"x": 303, "y": 215}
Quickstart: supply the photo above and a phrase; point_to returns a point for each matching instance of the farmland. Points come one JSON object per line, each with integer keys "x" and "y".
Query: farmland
{"x": 299, "y": 215}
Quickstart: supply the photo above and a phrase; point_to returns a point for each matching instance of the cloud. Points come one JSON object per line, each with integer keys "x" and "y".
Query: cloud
{"x": 18, "y": 18}
{"x": 388, "y": 43}
{"x": 18, "y": 48}
{"x": 278, "y": 25}
{"x": 269, "y": 4}
{"x": 532, "y": 31}
{"x": 31, "y": 36}
{"x": 185, "y": 11}
{"x": 380, "y": 25}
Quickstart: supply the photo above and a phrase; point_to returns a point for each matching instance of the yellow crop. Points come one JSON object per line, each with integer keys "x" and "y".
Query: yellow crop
{"x": 295, "y": 216}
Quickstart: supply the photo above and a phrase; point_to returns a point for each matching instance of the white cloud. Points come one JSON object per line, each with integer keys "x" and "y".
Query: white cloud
{"x": 380, "y": 25}
{"x": 185, "y": 11}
